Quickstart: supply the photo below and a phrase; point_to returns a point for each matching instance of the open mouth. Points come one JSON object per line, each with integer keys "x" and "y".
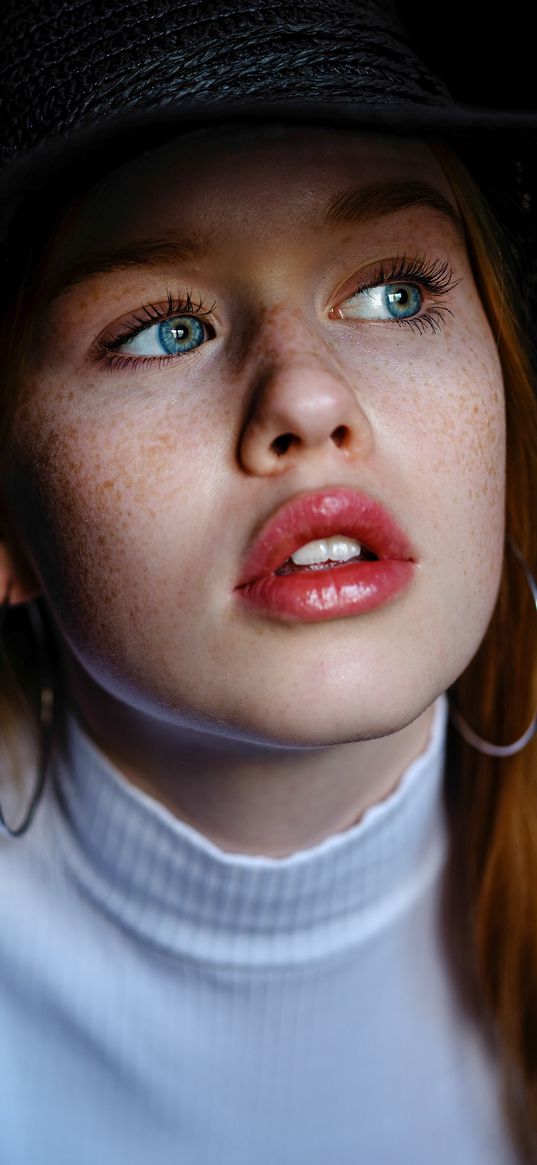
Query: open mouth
{"x": 325, "y": 536}
{"x": 329, "y": 553}
{"x": 290, "y": 567}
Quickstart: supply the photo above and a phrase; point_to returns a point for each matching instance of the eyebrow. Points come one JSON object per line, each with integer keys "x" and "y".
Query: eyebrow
{"x": 383, "y": 198}
{"x": 166, "y": 251}
{"x": 351, "y": 208}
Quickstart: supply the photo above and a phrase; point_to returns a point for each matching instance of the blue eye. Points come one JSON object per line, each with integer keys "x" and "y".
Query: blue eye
{"x": 171, "y": 337}
{"x": 402, "y": 300}
{"x": 395, "y": 301}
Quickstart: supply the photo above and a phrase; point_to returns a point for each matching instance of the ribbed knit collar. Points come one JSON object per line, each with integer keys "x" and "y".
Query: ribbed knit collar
{"x": 178, "y": 891}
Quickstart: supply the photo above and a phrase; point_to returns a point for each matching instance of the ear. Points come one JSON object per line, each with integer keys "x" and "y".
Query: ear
{"x": 16, "y": 573}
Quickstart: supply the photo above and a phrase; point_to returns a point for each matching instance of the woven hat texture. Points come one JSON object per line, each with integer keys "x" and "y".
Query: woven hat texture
{"x": 73, "y": 65}
{"x": 70, "y": 65}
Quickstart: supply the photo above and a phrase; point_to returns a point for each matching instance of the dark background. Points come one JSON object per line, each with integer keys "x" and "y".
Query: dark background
{"x": 483, "y": 59}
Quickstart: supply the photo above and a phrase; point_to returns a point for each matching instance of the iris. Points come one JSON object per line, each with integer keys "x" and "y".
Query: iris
{"x": 402, "y": 299}
{"x": 180, "y": 334}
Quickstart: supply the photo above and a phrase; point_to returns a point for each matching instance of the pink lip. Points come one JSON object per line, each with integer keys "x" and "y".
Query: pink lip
{"x": 350, "y": 588}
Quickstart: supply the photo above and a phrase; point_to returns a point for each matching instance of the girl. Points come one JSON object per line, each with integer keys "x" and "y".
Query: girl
{"x": 268, "y": 478}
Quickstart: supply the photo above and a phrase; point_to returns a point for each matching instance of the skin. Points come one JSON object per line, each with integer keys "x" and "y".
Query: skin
{"x": 265, "y": 735}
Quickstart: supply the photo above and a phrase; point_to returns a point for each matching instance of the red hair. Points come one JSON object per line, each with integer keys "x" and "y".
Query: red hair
{"x": 491, "y": 890}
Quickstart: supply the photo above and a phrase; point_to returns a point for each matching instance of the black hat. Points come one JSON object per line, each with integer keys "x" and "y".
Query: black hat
{"x": 86, "y": 84}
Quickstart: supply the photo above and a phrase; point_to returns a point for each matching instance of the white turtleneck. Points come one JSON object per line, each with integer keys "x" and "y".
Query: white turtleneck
{"x": 163, "y": 1002}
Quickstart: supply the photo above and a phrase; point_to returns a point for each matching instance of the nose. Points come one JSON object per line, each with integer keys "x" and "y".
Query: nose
{"x": 302, "y": 406}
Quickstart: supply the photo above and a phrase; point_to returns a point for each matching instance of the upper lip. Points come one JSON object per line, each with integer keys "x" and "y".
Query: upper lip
{"x": 321, "y": 513}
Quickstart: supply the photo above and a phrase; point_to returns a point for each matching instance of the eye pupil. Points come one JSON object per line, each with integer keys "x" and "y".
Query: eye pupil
{"x": 180, "y": 334}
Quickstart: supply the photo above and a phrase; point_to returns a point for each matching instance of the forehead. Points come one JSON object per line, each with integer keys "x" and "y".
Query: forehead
{"x": 236, "y": 176}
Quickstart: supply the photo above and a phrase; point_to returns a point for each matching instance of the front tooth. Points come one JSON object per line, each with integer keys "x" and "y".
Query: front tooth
{"x": 339, "y": 547}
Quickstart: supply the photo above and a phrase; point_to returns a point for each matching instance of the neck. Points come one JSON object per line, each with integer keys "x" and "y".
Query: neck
{"x": 246, "y": 797}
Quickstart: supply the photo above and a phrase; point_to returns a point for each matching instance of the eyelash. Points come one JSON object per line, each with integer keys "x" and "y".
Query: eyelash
{"x": 433, "y": 275}
{"x": 139, "y": 322}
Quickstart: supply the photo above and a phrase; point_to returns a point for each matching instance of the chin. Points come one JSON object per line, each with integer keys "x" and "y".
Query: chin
{"x": 299, "y": 720}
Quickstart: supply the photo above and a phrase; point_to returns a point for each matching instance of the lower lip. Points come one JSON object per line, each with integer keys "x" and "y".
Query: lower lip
{"x": 311, "y": 596}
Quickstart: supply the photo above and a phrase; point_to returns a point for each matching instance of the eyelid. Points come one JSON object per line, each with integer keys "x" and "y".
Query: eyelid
{"x": 435, "y": 274}
{"x": 140, "y": 319}
{"x": 432, "y": 277}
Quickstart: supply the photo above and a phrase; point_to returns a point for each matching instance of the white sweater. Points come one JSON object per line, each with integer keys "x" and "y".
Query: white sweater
{"x": 163, "y": 1002}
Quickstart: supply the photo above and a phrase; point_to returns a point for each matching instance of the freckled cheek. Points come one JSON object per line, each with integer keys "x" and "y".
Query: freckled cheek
{"x": 108, "y": 518}
{"x": 464, "y": 442}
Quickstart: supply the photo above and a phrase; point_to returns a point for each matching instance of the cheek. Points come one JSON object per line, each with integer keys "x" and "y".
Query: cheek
{"x": 469, "y": 453}
{"x": 461, "y": 481}
{"x": 106, "y": 512}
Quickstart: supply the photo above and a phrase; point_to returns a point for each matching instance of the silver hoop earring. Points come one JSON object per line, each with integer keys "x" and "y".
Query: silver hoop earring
{"x": 460, "y": 723}
{"x": 46, "y": 708}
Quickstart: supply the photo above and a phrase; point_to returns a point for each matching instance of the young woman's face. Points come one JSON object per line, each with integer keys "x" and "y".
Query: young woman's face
{"x": 142, "y": 469}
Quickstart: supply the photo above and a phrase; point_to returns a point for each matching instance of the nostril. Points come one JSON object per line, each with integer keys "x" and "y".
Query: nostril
{"x": 282, "y": 443}
{"x": 338, "y": 436}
